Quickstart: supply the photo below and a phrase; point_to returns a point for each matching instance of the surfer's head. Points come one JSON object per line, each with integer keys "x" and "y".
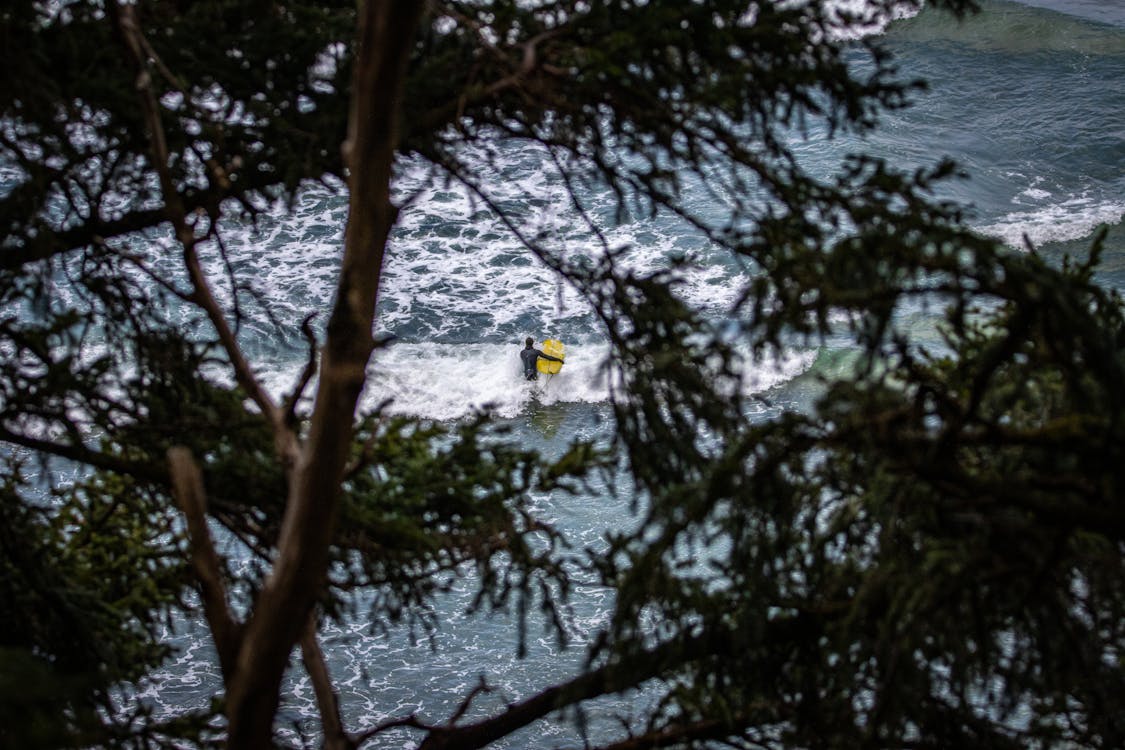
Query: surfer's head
{"x": 529, "y": 343}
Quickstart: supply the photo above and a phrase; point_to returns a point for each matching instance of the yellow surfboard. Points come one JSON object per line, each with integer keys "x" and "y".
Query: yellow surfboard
{"x": 555, "y": 348}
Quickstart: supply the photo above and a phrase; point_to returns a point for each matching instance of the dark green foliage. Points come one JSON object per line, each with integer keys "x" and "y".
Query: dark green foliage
{"x": 441, "y": 500}
{"x": 933, "y": 555}
{"x": 989, "y": 486}
{"x": 930, "y": 557}
{"x": 90, "y": 575}
{"x": 261, "y": 105}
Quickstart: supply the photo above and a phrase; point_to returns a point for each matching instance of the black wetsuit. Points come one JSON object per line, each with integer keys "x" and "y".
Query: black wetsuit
{"x": 530, "y": 356}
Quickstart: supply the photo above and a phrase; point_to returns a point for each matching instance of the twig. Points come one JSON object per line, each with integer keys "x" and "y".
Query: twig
{"x": 80, "y": 453}
{"x": 232, "y": 279}
{"x": 289, "y": 403}
{"x": 481, "y": 687}
{"x": 140, "y": 265}
{"x": 411, "y": 721}
{"x": 675, "y": 735}
{"x": 364, "y": 456}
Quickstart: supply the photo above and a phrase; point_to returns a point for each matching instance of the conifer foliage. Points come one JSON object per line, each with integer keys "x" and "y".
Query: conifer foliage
{"x": 930, "y": 556}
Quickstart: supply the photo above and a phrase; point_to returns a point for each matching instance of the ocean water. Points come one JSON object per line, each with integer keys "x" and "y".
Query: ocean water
{"x": 1029, "y": 98}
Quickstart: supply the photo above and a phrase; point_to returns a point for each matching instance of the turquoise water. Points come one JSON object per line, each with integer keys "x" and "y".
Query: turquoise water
{"x": 1029, "y": 98}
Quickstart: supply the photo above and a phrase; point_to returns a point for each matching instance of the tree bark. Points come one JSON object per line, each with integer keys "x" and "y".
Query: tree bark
{"x": 187, "y": 487}
{"x": 386, "y": 35}
{"x": 327, "y": 701}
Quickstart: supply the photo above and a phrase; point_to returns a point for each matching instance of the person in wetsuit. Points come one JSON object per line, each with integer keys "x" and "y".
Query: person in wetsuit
{"x": 530, "y": 355}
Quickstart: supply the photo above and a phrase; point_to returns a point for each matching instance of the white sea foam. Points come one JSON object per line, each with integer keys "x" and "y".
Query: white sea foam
{"x": 451, "y": 381}
{"x": 860, "y": 18}
{"x": 438, "y": 382}
{"x": 1035, "y": 194}
{"x": 454, "y": 269}
{"x": 459, "y": 290}
{"x": 1070, "y": 219}
{"x": 447, "y": 382}
{"x": 773, "y": 370}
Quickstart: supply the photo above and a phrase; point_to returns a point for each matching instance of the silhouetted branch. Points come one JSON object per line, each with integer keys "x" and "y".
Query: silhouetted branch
{"x": 328, "y": 703}
{"x": 187, "y": 487}
{"x": 285, "y": 440}
{"x": 289, "y": 404}
{"x": 623, "y": 673}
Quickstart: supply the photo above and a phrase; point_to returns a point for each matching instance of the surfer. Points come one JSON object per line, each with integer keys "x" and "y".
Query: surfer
{"x": 530, "y": 355}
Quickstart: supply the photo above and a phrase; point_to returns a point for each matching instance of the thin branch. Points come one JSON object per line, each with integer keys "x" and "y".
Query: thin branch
{"x": 572, "y": 193}
{"x": 232, "y": 279}
{"x": 139, "y": 263}
{"x": 523, "y": 70}
{"x": 289, "y": 403}
{"x": 48, "y": 243}
{"x": 285, "y": 439}
{"x": 481, "y": 688}
{"x": 625, "y": 672}
{"x": 411, "y": 721}
{"x": 187, "y": 488}
{"x": 528, "y": 65}
{"x": 335, "y": 738}
{"x": 604, "y": 680}
{"x": 675, "y": 734}
{"x": 81, "y": 454}
{"x": 544, "y": 256}
{"x": 365, "y": 453}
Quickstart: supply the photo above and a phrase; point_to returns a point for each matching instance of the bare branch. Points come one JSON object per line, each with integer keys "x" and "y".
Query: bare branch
{"x": 335, "y": 738}
{"x": 386, "y": 36}
{"x": 80, "y": 453}
{"x": 365, "y": 453}
{"x": 285, "y": 440}
{"x": 411, "y": 721}
{"x": 676, "y": 735}
{"x": 48, "y": 242}
{"x": 623, "y": 673}
{"x": 289, "y": 404}
{"x": 524, "y": 69}
{"x": 140, "y": 265}
{"x": 187, "y": 487}
{"x": 481, "y": 688}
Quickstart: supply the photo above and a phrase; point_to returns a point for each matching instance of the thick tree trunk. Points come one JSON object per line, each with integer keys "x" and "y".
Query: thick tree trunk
{"x": 386, "y": 33}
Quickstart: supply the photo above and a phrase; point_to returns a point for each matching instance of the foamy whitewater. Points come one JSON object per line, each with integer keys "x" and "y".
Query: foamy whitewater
{"x": 1029, "y": 98}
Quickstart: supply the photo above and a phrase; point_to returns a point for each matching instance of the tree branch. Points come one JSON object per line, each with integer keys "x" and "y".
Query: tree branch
{"x": 289, "y": 403}
{"x": 187, "y": 488}
{"x": 327, "y": 702}
{"x": 48, "y": 243}
{"x": 412, "y": 721}
{"x": 627, "y": 672}
{"x": 81, "y": 454}
{"x": 386, "y": 36}
{"x": 522, "y": 72}
{"x": 285, "y": 439}
{"x": 676, "y": 734}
